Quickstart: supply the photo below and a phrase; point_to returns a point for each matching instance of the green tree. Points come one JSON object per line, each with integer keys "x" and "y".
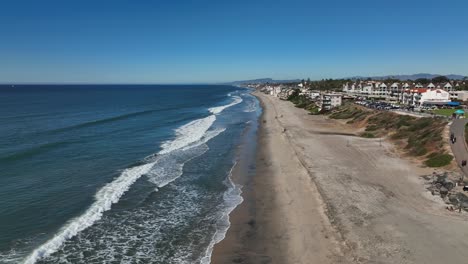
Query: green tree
{"x": 391, "y": 80}
{"x": 422, "y": 81}
{"x": 440, "y": 79}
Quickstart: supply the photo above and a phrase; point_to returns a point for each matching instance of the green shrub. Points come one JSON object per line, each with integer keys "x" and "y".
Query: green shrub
{"x": 400, "y": 134}
{"x": 466, "y": 133}
{"x": 421, "y": 123}
{"x": 301, "y": 104}
{"x": 404, "y": 120}
{"x": 438, "y": 160}
{"x": 367, "y": 135}
{"x": 361, "y": 116}
{"x": 313, "y": 110}
{"x": 371, "y": 128}
{"x": 419, "y": 151}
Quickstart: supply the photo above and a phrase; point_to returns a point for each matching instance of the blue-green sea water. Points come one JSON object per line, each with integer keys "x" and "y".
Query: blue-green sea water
{"x": 118, "y": 173}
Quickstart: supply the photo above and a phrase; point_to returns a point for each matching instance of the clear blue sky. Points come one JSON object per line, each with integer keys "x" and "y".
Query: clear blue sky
{"x": 178, "y": 41}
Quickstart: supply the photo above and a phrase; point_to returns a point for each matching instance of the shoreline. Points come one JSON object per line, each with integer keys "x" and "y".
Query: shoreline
{"x": 231, "y": 249}
{"x": 267, "y": 227}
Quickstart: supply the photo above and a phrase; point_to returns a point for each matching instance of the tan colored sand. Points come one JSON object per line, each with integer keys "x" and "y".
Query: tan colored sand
{"x": 323, "y": 196}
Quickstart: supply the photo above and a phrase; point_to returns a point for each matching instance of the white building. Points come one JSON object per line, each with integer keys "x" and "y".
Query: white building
{"x": 313, "y": 95}
{"x": 330, "y": 100}
{"x": 381, "y": 90}
{"x": 434, "y": 97}
{"x": 422, "y": 96}
{"x": 459, "y": 95}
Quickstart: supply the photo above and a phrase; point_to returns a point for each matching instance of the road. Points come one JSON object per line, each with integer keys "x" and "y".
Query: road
{"x": 459, "y": 149}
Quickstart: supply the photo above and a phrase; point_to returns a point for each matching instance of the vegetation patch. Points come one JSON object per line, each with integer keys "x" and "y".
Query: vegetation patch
{"x": 350, "y": 111}
{"x": 438, "y": 160}
{"x": 466, "y": 134}
{"x": 367, "y": 135}
{"x": 301, "y": 101}
{"x": 371, "y": 128}
{"x": 418, "y": 136}
{"x": 422, "y": 135}
{"x": 444, "y": 112}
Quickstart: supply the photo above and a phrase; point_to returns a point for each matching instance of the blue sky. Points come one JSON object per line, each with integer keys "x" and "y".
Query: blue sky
{"x": 215, "y": 41}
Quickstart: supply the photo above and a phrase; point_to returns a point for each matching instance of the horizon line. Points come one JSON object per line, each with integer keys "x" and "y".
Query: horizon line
{"x": 221, "y": 83}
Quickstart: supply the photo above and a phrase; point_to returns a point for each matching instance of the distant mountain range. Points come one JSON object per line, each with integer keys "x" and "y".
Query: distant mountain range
{"x": 399, "y": 77}
{"x": 263, "y": 80}
{"x": 411, "y": 77}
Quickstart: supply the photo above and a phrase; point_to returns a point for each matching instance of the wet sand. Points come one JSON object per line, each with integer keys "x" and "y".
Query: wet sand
{"x": 322, "y": 195}
{"x": 281, "y": 219}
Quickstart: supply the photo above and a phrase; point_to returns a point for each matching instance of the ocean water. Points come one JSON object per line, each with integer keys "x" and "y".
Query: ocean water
{"x": 119, "y": 174}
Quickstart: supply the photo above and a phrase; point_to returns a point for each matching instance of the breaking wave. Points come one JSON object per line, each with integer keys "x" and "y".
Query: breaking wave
{"x": 232, "y": 198}
{"x": 218, "y": 109}
{"x": 174, "y": 154}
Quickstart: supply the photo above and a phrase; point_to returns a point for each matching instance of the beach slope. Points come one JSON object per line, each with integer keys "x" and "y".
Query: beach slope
{"x": 282, "y": 219}
{"x": 324, "y": 195}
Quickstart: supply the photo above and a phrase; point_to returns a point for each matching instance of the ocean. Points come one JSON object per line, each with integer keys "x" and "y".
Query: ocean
{"x": 119, "y": 173}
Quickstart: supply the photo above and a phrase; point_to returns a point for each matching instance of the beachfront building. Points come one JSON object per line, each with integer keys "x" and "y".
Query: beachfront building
{"x": 446, "y": 87}
{"x": 381, "y": 90}
{"x": 274, "y": 90}
{"x": 407, "y": 92}
{"x": 395, "y": 92}
{"x": 459, "y": 95}
{"x": 435, "y": 97}
{"x": 313, "y": 95}
{"x": 412, "y": 96}
{"x": 330, "y": 100}
{"x": 285, "y": 93}
{"x": 367, "y": 88}
{"x": 425, "y": 97}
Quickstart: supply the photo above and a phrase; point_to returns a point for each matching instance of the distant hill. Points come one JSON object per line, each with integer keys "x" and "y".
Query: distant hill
{"x": 263, "y": 80}
{"x": 411, "y": 77}
{"x": 400, "y": 77}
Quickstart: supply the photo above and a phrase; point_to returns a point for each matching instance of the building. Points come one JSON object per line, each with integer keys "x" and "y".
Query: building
{"x": 330, "y": 100}
{"x": 314, "y": 95}
{"x": 423, "y": 96}
{"x": 459, "y": 95}
{"x": 407, "y": 93}
{"x": 395, "y": 92}
{"x": 434, "y": 97}
{"x": 412, "y": 96}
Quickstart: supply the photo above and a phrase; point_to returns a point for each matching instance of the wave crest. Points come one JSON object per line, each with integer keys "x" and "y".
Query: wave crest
{"x": 189, "y": 136}
{"x": 218, "y": 109}
{"x": 189, "y": 142}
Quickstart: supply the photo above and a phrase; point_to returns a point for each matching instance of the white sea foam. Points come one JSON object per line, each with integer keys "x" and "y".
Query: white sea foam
{"x": 188, "y": 136}
{"x": 232, "y": 198}
{"x": 251, "y": 106}
{"x": 170, "y": 167}
{"x": 218, "y": 109}
{"x": 104, "y": 199}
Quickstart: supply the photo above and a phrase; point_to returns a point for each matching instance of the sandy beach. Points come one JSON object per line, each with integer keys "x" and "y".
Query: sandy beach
{"x": 323, "y": 195}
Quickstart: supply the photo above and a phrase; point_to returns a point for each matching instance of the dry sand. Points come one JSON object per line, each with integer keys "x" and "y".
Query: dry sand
{"x": 322, "y": 195}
